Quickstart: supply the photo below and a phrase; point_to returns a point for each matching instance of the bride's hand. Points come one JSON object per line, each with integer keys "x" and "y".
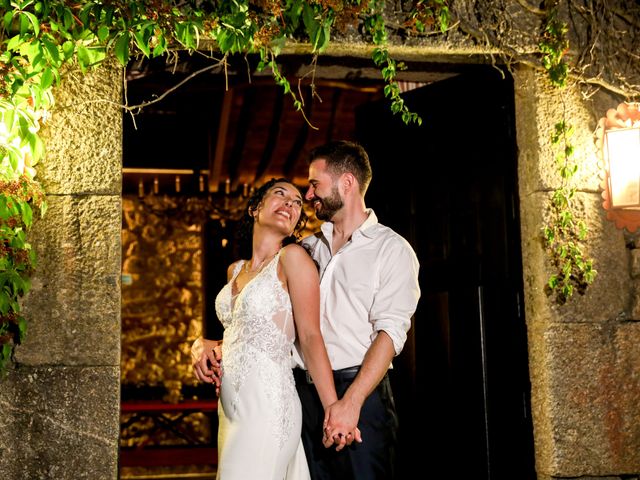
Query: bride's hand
{"x": 340, "y": 426}
{"x": 206, "y": 356}
{"x": 340, "y": 440}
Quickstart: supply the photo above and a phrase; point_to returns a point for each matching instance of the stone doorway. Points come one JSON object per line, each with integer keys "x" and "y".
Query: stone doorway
{"x": 197, "y": 114}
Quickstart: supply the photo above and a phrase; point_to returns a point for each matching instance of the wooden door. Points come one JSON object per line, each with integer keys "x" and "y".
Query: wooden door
{"x": 450, "y": 187}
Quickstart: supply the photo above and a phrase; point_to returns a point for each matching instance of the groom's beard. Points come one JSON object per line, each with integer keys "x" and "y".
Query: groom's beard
{"x": 329, "y": 205}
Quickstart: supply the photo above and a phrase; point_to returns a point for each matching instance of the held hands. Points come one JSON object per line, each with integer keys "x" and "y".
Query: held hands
{"x": 206, "y": 356}
{"x": 339, "y": 439}
{"x": 340, "y": 425}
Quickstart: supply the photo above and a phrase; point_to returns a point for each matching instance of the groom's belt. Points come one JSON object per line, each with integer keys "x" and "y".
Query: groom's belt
{"x": 344, "y": 374}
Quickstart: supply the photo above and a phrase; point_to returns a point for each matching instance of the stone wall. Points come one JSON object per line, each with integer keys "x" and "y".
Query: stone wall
{"x": 59, "y": 408}
{"x": 584, "y": 356}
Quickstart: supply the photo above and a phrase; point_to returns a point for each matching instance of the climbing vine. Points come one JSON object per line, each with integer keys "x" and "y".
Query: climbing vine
{"x": 563, "y": 233}
{"x": 41, "y": 40}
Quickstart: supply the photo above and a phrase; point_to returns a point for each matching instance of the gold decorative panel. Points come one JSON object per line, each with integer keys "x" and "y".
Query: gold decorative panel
{"x": 162, "y": 304}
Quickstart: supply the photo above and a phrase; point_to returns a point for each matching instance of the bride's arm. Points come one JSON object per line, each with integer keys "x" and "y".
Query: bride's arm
{"x": 304, "y": 289}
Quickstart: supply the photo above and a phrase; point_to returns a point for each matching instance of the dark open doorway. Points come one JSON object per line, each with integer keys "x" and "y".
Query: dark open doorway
{"x": 461, "y": 383}
{"x": 450, "y": 187}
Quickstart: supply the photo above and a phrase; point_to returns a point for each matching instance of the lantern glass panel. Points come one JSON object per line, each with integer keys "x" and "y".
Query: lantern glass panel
{"x": 623, "y": 156}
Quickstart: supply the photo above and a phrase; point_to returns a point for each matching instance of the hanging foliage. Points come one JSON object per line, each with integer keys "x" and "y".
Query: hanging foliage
{"x": 41, "y": 40}
{"x": 563, "y": 234}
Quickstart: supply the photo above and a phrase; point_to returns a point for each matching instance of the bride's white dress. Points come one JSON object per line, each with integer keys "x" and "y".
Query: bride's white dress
{"x": 259, "y": 412}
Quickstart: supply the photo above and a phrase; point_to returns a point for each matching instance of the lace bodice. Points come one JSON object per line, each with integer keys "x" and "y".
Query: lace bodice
{"x": 258, "y": 335}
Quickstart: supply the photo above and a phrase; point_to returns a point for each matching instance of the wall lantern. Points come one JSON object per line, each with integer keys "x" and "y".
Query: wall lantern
{"x": 618, "y": 140}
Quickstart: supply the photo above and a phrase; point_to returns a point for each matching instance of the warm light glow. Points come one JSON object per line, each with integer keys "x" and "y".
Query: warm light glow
{"x": 623, "y": 158}
{"x": 217, "y": 205}
{"x": 618, "y": 142}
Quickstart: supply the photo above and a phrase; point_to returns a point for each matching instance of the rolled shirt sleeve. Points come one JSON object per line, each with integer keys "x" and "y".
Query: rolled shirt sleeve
{"x": 397, "y": 293}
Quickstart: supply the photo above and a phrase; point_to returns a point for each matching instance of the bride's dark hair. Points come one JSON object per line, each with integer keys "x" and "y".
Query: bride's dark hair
{"x": 245, "y": 228}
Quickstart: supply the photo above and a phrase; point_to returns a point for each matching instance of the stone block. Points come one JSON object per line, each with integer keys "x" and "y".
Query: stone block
{"x": 83, "y": 137}
{"x": 593, "y": 389}
{"x": 73, "y": 309}
{"x": 608, "y": 297}
{"x": 548, "y": 477}
{"x": 635, "y": 262}
{"x": 539, "y": 107}
{"x": 60, "y": 423}
{"x": 635, "y": 305}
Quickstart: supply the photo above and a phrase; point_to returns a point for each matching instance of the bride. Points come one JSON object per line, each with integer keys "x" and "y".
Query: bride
{"x": 270, "y": 300}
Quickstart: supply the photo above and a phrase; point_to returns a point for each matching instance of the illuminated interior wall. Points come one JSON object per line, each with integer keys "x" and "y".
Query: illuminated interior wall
{"x": 162, "y": 294}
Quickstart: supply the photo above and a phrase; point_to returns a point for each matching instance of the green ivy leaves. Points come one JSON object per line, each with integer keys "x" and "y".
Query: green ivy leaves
{"x": 39, "y": 38}
{"x": 18, "y": 198}
{"x": 553, "y": 46}
{"x": 564, "y": 233}
{"x": 318, "y": 25}
{"x": 389, "y": 67}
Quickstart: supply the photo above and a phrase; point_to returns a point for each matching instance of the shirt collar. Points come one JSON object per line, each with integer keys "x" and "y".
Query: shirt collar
{"x": 367, "y": 228}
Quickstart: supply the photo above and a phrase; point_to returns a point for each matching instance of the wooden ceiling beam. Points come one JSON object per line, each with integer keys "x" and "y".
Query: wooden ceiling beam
{"x": 216, "y": 153}
{"x": 335, "y": 104}
{"x": 301, "y": 138}
{"x": 266, "y": 159}
{"x": 247, "y": 113}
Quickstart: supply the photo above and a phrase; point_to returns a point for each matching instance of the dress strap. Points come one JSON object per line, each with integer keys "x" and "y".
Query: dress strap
{"x": 237, "y": 268}
{"x": 273, "y": 263}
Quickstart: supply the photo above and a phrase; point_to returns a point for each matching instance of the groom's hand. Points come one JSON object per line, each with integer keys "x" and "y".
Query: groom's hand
{"x": 341, "y": 425}
{"x": 340, "y": 440}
